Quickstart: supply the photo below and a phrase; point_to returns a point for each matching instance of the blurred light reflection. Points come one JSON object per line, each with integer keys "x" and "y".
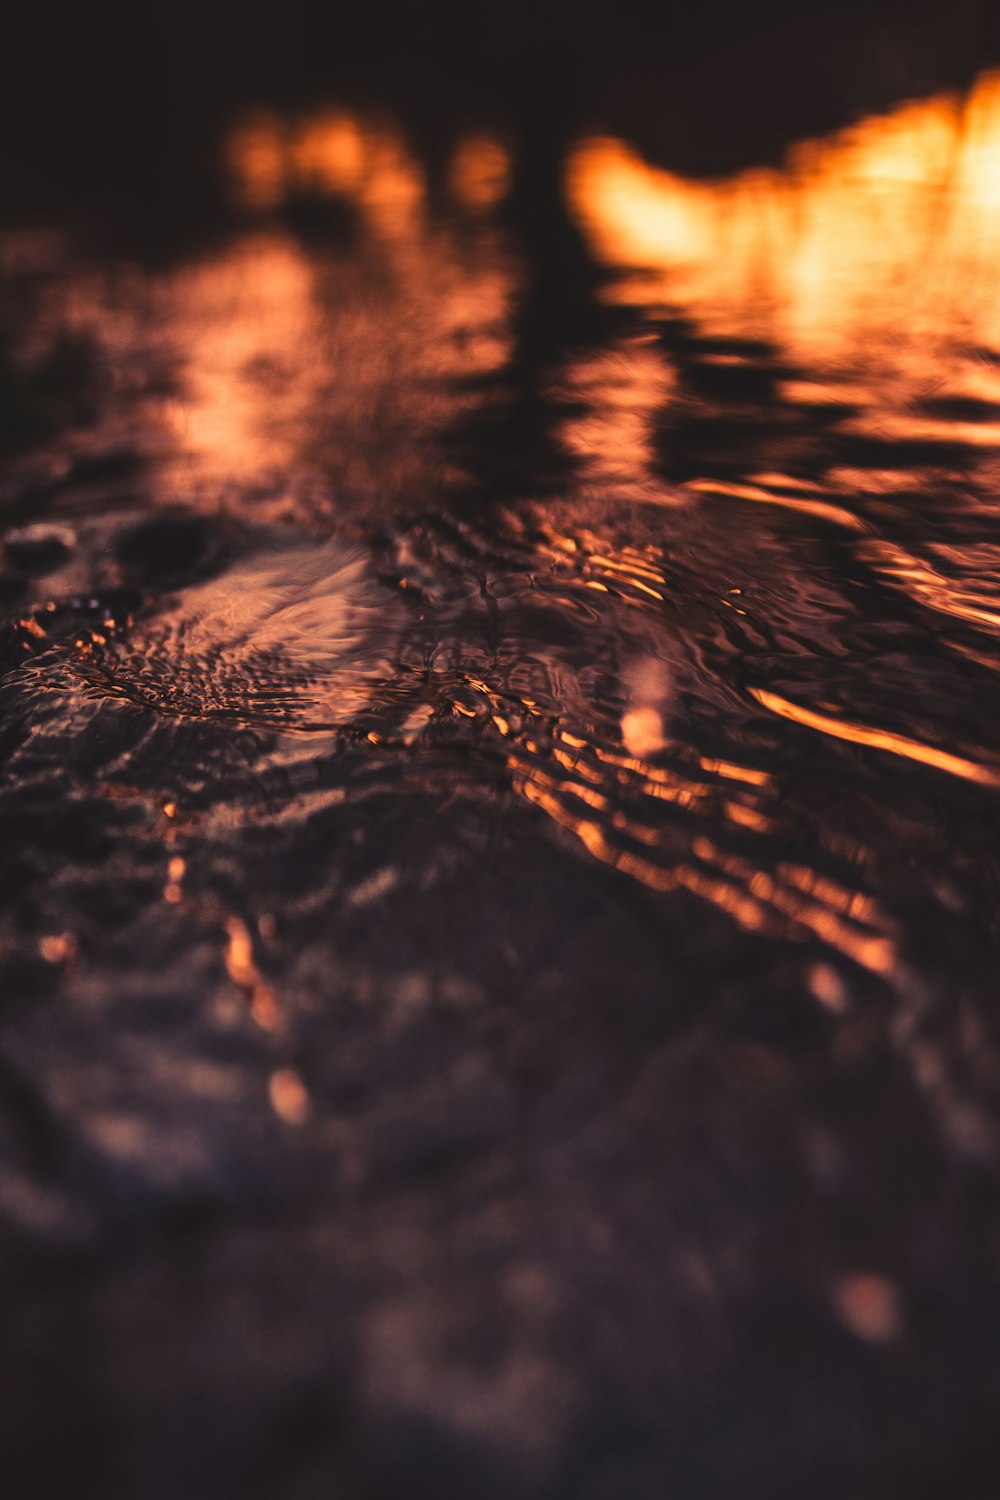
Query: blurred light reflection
{"x": 480, "y": 172}
{"x": 888, "y": 230}
{"x": 341, "y": 360}
{"x": 333, "y": 153}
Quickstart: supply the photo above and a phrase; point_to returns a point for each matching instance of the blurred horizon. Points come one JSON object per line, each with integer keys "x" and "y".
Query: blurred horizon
{"x": 114, "y": 98}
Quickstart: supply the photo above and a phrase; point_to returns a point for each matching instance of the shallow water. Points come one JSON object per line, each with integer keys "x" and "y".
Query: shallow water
{"x": 501, "y": 761}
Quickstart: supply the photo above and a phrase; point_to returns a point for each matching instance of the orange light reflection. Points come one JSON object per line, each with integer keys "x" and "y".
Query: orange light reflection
{"x": 887, "y": 230}
{"x": 879, "y": 739}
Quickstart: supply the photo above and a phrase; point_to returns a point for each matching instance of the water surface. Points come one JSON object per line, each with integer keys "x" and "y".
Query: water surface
{"x": 501, "y": 768}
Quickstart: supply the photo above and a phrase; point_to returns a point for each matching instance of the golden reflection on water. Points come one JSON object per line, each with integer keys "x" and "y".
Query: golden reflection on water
{"x": 252, "y": 372}
{"x": 790, "y": 901}
{"x": 616, "y": 395}
{"x": 869, "y": 265}
{"x": 330, "y": 366}
{"x": 897, "y": 744}
{"x": 319, "y": 364}
{"x": 890, "y": 229}
{"x": 313, "y": 367}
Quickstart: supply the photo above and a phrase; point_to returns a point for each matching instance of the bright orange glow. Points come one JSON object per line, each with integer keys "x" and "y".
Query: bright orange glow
{"x": 328, "y": 153}
{"x": 803, "y": 504}
{"x": 889, "y": 228}
{"x": 244, "y": 973}
{"x": 296, "y": 369}
{"x": 391, "y": 190}
{"x": 735, "y": 773}
{"x": 879, "y": 739}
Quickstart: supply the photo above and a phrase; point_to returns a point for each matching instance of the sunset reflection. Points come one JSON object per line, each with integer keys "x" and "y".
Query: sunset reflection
{"x": 245, "y": 401}
{"x": 889, "y": 229}
{"x": 299, "y": 370}
{"x": 365, "y": 343}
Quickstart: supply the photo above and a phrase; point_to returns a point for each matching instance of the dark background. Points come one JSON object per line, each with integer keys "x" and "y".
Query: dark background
{"x": 97, "y": 96}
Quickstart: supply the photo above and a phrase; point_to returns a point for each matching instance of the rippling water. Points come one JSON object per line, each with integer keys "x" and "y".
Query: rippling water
{"x": 502, "y": 766}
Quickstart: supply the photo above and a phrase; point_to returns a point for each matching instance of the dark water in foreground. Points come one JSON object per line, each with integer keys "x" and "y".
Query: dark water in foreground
{"x": 500, "y": 770}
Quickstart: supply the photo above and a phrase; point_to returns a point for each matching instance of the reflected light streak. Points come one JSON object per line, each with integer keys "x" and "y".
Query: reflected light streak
{"x": 669, "y": 854}
{"x": 755, "y": 899}
{"x": 977, "y": 605}
{"x": 878, "y": 739}
{"x": 818, "y": 508}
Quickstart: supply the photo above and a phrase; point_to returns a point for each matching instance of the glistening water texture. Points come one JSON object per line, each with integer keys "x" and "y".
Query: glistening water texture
{"x": 501, "y": 769}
